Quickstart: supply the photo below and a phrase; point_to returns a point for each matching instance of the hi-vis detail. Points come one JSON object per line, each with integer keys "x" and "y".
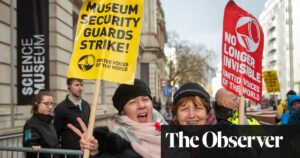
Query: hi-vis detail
{"x": 107, "y": 40}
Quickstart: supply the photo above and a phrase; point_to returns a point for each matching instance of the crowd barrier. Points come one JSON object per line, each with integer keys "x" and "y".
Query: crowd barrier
{"x": 19, "y": 152}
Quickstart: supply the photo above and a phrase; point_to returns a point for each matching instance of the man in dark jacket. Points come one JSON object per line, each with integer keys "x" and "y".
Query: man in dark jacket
{"x": 225, "y": 105}
{"x": 67, "y": 111}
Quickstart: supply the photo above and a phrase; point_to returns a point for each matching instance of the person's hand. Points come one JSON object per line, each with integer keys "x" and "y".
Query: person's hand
{"x": 36, "y": 148}
{"x": 86, "y": 142}
{"x": 278, "y": 115}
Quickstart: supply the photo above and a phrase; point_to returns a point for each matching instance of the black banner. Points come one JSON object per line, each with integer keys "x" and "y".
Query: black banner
{"x": 33, "y": 48}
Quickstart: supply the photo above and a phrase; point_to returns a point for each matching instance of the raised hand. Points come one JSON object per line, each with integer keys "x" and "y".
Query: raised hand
{"x": 85, "y": 142}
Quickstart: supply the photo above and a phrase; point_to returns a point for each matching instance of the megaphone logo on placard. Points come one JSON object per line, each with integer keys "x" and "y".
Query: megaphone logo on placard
{"x": 86, "y": 62}
{"x": 248, "y": 33}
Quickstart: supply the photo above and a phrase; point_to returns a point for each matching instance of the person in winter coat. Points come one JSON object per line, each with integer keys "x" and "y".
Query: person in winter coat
{"x": 293, "y": 110}
{"x": 67, "y": 111}
{"x": 283, "y": 107}
{"x": 226, "y": 106}
{"x": 191, "y": 106}
{"x": 295, "y": 116}
{"x": 134, "y": 132}
{"x": 191, "y": 109}
{"x": 39, "y": 131}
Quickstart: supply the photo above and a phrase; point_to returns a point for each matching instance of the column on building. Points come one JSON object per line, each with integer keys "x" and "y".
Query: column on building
{"x": 152, "y": 59}
{"x": 8, "y": 97}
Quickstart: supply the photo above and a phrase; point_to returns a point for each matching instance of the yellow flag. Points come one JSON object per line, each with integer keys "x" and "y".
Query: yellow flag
{"x": 271, "y": 81}
{"x": 107, "y": 40}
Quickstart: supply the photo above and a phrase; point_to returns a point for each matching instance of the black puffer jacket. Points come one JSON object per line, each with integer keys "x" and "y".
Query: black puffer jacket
{"x": 39, "y": 131}
{"x": 112, "y": 145}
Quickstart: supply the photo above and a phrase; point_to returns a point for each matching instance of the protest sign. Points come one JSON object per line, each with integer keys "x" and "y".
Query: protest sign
{"x": 271, "y": 81}
{"x": 106, "y": 45}
{"x": 242, "y": 46}
{"x": 107, "y": 40}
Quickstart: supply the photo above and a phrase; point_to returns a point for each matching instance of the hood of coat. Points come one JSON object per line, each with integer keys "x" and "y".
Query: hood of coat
{"x": 291, "y": 99}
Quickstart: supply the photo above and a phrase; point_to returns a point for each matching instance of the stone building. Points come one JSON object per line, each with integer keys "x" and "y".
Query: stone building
{"x": 63, "y": 15}
{"x": 280, "y": 23}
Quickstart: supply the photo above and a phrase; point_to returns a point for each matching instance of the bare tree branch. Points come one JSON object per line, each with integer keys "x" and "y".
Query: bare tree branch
{"x": 192, "y": 62}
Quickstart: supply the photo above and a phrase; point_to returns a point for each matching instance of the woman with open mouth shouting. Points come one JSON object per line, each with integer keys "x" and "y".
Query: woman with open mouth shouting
{"x": 134, "y": 132}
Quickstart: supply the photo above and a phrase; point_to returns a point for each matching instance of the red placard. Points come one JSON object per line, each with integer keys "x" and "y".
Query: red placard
{"x": 242, "y": 47}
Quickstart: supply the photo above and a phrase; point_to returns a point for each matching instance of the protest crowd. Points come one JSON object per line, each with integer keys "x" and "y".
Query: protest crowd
{"x": 146, "y": 116}
{"x": 135, "y": 130}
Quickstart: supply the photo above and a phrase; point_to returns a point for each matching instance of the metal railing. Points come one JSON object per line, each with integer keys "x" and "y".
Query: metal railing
{"x": 11, "y": 147}
{"x": 11, "y": 139}
{"x": 19, "y": 152}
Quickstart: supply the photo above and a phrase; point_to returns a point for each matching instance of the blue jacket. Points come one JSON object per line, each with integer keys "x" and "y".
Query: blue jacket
{"x": 287, "y": 115}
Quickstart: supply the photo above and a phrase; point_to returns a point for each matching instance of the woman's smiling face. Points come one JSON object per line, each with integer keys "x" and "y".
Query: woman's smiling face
{"x": 191, "y": 112}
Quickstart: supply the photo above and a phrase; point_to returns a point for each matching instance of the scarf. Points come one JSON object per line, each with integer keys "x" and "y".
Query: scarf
{"x": 143, "y": 137}
{"x": 211, "y": 120}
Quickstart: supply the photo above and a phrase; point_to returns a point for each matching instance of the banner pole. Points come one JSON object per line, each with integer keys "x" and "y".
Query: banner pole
{"x": 86, "y": 152}
{"x": 242, "y": 111}
{"x": 275, "y": 99}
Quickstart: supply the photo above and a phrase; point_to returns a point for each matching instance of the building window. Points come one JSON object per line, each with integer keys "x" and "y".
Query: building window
{"x": 272, "y": 52}
{"x": 273, "y": 63}
{"x": 273, "y": 18}
{"x": 145, "y": 72}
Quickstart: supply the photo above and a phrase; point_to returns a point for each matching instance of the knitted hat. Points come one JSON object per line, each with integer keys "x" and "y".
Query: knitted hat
{"x": 126, "y": 92}
{"x": 191, "y": 89}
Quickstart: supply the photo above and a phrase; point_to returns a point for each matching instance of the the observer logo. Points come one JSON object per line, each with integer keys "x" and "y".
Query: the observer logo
{"x": 248, "y": 34}
{"x": 219, "y": 140}
{"x": 86, "y": 62}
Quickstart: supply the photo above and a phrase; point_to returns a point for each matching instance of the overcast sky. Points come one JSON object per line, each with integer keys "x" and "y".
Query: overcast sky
{"x": 201, "y": 21}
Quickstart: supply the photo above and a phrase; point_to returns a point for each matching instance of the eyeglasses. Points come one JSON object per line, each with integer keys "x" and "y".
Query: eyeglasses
{"x": 48, "y": 104}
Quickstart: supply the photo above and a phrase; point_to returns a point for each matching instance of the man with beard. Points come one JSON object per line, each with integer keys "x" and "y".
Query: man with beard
{"x": 68, "y": 111}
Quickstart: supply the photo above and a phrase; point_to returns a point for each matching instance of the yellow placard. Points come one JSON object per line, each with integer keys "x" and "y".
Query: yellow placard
{"x": 271, "y": 81}
{"x": 107, "y": 40}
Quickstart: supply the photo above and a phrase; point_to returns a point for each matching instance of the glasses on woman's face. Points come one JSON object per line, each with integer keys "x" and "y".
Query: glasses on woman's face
{"x": 48, "y": 103}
